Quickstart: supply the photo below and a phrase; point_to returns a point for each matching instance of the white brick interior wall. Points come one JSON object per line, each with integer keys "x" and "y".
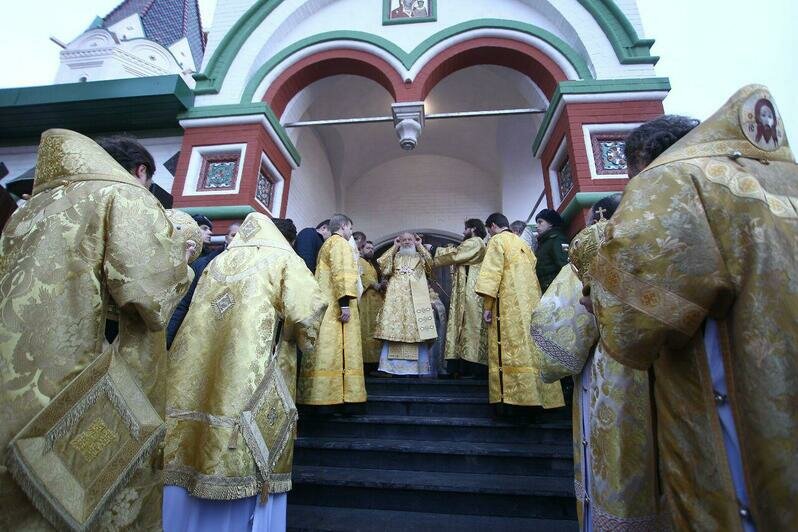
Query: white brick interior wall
{"x": 311, "y": 197}
{"x": 423, "y": 191}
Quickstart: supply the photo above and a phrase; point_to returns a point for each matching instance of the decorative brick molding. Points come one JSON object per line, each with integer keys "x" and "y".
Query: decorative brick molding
{"x": 214, "y": 170}
{"x": 604, "y": 146}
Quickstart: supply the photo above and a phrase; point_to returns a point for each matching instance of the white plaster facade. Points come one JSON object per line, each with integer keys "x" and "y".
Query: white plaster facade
{"x": 20, "y": 159}
{"x": 294, "y": 20}
{"x": 122, "y": 51}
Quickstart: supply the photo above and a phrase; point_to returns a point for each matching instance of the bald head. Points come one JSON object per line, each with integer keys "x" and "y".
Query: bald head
{"x": 407, "y": 239}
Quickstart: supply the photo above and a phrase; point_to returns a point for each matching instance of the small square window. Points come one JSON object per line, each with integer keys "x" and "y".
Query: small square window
{"x": 219, "y": 171}
{"x": 264, "y": 191}
{"x": 565, "y": 179}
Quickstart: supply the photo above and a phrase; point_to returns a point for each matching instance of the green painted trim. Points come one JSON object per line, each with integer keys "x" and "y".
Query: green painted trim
{"x": 409, "y": 59}
{"x": 210, "y": 80}
{"x": 257, "y": 108}
{"x": 629, "y": 48}
{"x": 582, "y": 200}
{"x": 613, "y": 22}
{"x": 227, "y": 212}
{"x": 99, "y": 90}
{"x": 595, "y": 87}
{"x": 387, "y": 21}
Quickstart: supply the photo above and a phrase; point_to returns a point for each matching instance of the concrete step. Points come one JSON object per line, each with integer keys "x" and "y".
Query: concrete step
{"x": 302, "y": 518}
{"x": 443, "y": 456}
{"x": 467, "y": 429}
{"x": 426, "y": 386}
{"x": 455, "y": 493}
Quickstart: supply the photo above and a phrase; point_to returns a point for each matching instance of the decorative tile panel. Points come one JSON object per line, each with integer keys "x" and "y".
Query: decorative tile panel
{"x": 609, "y": 153}
{"x": 264, "y": 190}
{"x": 219, "y": 171}
{"x": 565, "y": 179}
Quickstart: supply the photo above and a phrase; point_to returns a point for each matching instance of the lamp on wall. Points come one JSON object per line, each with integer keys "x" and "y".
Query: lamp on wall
{"x": 408, "y": 121}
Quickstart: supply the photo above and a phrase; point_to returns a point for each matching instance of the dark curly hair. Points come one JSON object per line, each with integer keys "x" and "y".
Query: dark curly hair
{"x": 606, "y": 207}
{"x": 649, "y": 141}
{"x": 128, "y": 152}
{"x": 478, "y": 227}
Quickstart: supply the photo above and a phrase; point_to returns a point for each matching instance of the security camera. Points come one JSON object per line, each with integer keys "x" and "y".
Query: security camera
{"x": 408, "y": 131}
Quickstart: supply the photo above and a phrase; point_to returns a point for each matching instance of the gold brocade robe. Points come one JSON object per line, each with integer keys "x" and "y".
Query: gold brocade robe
{"x": 219, "y": 362}
{"x": 710, "y": 230}
{"x": 614, "y": 462}
{"x": 508, "y": 282}
{"x": 333, "y": 374}
{"x": 466, "y": 334}
{"x": 406, "y": 315}
{"x": 90, "y": 237}
{"x": 370, "y": 306}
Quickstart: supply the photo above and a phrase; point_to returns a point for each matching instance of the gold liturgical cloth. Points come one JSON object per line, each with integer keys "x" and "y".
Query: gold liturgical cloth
{"x": 80, "y": 450}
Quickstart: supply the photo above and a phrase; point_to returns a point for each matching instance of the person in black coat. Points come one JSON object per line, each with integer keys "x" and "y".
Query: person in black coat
{"x": 308, "y": 243}
{"x": 206, "y": 227}
{"x": 552, "y": 252}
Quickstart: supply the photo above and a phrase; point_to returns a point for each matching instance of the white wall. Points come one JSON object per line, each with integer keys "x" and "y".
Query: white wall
{"x": 162, "y": 149}
{"x": 311, "y": 197}
{"x": 420, "y": 191}
{"x": 294, "y": 20}
{"x": 522, "y": 174}
{"x": 19, "y": 159}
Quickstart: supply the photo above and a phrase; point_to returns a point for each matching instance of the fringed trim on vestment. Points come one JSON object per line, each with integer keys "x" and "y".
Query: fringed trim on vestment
{"x": 568, "y": 360}
{"x": 51, "y": 510}
{"x": 73, "y": 415}
{"x": 219, "y": 488}
{"x": 605, "y": 521}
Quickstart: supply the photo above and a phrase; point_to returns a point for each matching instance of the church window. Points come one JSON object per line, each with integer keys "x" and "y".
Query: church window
{"x": 219, "y": 171}
{"x": 609, "y": 153}
{"x": 565, "y": 179}
{"x": 264, "y": 190}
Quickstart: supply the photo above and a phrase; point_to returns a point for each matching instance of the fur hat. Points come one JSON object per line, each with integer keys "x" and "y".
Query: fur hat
{"x": 551, "y": 216}
{"x": 201, "y": 219}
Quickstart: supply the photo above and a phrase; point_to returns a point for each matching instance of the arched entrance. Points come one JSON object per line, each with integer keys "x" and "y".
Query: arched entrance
{"x": 463, "y": 167}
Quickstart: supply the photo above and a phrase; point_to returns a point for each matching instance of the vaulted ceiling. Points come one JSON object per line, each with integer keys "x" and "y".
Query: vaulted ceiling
{"x": 354, "y": 149}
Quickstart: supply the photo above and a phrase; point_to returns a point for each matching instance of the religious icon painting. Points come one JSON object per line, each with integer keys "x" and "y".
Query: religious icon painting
{"x": 408, "y": 11}
{"x": 761, "y": 122}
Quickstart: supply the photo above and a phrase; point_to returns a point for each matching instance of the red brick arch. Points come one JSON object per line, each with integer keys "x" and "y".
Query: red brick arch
{"x": 520, "y": 56}
{"x": 331, "y": 63}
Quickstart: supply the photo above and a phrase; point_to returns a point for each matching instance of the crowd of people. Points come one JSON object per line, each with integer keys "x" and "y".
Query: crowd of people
{"x": 150, "y": 381}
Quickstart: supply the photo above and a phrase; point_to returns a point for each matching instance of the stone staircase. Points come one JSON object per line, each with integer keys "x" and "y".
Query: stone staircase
{"x": 427, "y": 455}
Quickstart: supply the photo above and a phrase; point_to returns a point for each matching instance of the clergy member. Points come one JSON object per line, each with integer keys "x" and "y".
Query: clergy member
{"x": 333, "y": 374}
{"x": 466, "y": 332}
{"x": 508, "y": 284}
{"x": 91, "y": 237}
{"x": 231, "y": 416}
{"x": 370, "y": 304}
{"x": 697, "y": 281}
{"x": 406, "y": 323}
{"x": 614, "y": 447}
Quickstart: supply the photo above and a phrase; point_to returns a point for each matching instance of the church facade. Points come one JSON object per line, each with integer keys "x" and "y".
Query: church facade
{"x": 402, "y": 114}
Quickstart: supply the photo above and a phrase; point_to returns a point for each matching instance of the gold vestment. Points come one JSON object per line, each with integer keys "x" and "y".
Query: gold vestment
{"x": 466, "y": 333}
{"x": 710, "y": 230}
{"x": 333, "y": 373}
{"x": 618, "y": 453}
{"x": 229, "y": 426}
{"x": 91, "y": 236}
{"x": 508, "y": 282}
{"x": 370, "y": 306}
{"x": 407, "y": 315}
